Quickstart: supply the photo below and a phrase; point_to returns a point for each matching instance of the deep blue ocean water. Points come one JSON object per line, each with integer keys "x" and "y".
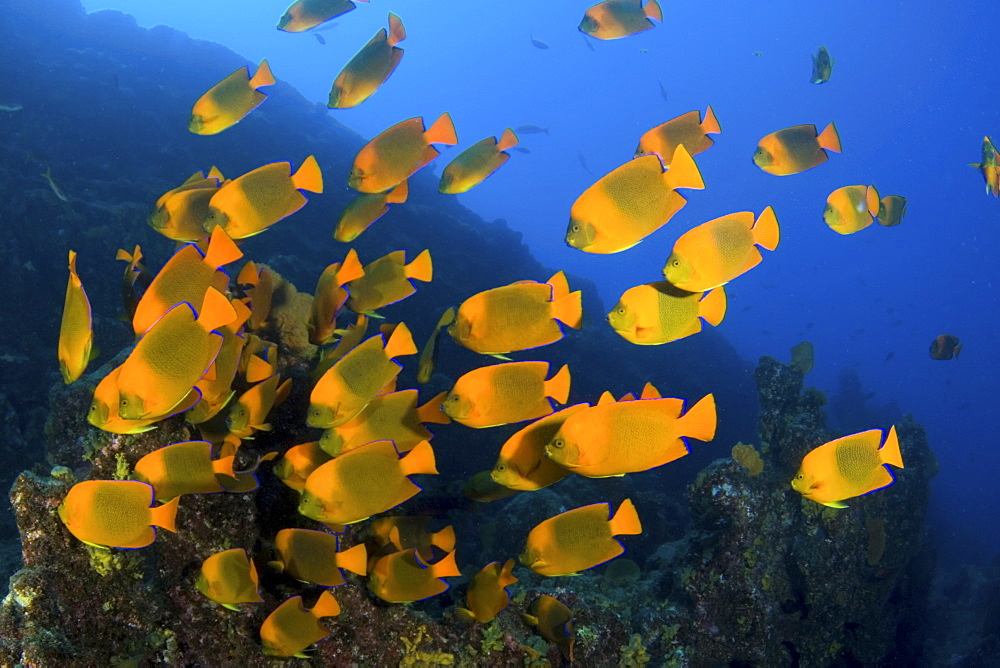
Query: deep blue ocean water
{"x": 912, "y": 93}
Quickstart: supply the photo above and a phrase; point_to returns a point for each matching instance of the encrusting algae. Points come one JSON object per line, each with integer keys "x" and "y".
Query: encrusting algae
{"x": 747, "y": 456}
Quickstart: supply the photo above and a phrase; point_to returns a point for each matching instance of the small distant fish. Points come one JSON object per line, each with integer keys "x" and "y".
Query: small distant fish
{"x": 521, "y": 149}
{"x": 758, "y": 53}
{"x": 822, "y": 66}
{"x": 663, "y": 92}
{"x": 531, "y": 129}
{"x": 587, "y": 42}
{"x": 538, "y": 44}
{"x": 319, "y": 38}
{"x": 945, "y": 347}
{"x": 56, "y": 188}
{"x": 11, "y": 106}
{"x": 967, "y": 405}
{"x": 583, "y": 162}
{"x": 889, "y": 356}
{"x": 990, "y": 167}
{"x": 891, "y": 210}
{"x": 803, "y": 357}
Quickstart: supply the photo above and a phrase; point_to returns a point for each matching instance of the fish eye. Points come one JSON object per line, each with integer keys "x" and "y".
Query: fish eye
{"x": 574, "y": 228}
{"x": 558, "y": 443}
{"x": 676, "y": 263}
{"x": 621, "y": 310}
{"x": 501, "y": 467}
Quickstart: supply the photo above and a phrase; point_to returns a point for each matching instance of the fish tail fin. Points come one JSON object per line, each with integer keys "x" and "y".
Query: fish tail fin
{"x": 224, "y": 466}
{"x": 506, "y": 577}
{"x": 649, "y": 391}
{"x": 397, "y": 33}
{"x": 309, "y": 176}
{"x": 123, "y": 254}
{"x": 889, "y": 452}
{"x": 398, "y": 194}
{"x": 400, "y": 342}
{"x": 72, "y": 262}
{"x": 700, "y": 420}
{"x": 221, "y": 249}
{"x": 557, "y": 386}
{"x": 165, "y": 516}
{"x": 683, "y": 172}
{"x": 258, "y": 369}
{"x": 326, "y": 606}
{"x": 431, "y": 411}
{"x": 447, "y": 567}
{"x": 830, "y": 138}
{"x": 569, "y": 309}
{"x": 765, "y": 229}
{"x": 355, "y": 559}
{"x": 350, "y": 269}
{"x": 872, "y": 200}
{"x": 243, "y": 314}
{"x": 442, "y": 131}
{"x": 444, "y": 539}
{"x": 957, "y": 350}
{"x": 626, "y": 520}
{"x": 507, "y": 140}
{"x": 710, "y": 125}
{"x": 712, "y": 306}
{"x": 421, "y": 269}
{"x": 263, "y": 76}
{"x": 216, "y": 311}
{"x": 215, "y": 173}
{"x": 653, "y": 11}
{"x": 419, "y": 460}
{"x": 560, "y": 286}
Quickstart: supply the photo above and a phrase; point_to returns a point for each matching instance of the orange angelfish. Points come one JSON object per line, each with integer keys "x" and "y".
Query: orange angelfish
{"x": 487, "y": 594}
{"x": 403, "y": 532}
{"x": 249, "y": 412}
{"x": 657, "y": 313}
{"x": 216, "y": 391}
{"x": 403, "y": 577}
{"x": 795, "y": 149}
{"x": 135, "y": 280}
{"x": 522, "y": 463}
{"x": 429, "y": 353}
{"x": 76, "y": 334}
{"x": 718, "y": 251}
{"x": 388, "y": 280}
{"x": 251, "y": 203}
{"x": 631, "y": 202}
{"x": 554, "y": 622}
{"x": 292, "y": 627}
{"x": 313, "y": 556}
{"x": 229, "y": 578}
{"x": 851, "y": 208}
{"x": 687, "y": 129}
{"x": 474, "y": 164}
{"x": 227, "y": 102}
{"x": 179, "y": 212}
{"x": 615, "y": 438}
{"x": 847, "y": 467}
{"x": 389, "y": 417}
{"x": 362, "y": 211}
{"x": 104, "y": 415}
{"x": 184, "y": 278}
{"x": 302, "y": 15}
{"x": 350, "y": 384}
{"x": 612, "y": 19}
{"x": 579, "y": 539}
{"x": 398, "y": 152}
{"x": 364, "y": 482}
{"x": 174, "y": 354}
{"x": 115, "y": 513}
{"x": 505, "y": 393}
{"x": 298, "y": 462}
{"x": 330, "y": 297}
{"x": 520, "y": 316}
{"x": 183, "y": 468}
{"x": 369, "y": 68}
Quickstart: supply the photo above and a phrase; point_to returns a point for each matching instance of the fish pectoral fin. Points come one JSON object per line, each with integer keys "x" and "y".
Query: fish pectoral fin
{"x": 503, "y": 358}
{"x": 835, "y": 504}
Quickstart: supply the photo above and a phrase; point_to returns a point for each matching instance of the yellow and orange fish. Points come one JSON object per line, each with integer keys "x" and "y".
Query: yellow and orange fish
{"x": 429, "y": 353}
{"x": 657, "y": 313}
{"x": 990, "y": 167}
{"x": 522, "y": 463}
{"x": 229, "y": 578}
{"x": 716, "y": 252}
{"x": 579, "y": 539}
{"x": 847, "y": 467}
{"x": 298, "y": 462}
{"x": 259, "y": 291}
{"x": 554, "y": 622}
{"x": 362, "y": 211}
{"x": 851, "y": 208}
{"x": 506, "y": 393}
{"x": 396, "y": 153}
{"x": 226, "y": 103}
{"x": 115, "y": 513}
{"x": 388, "y": 280}
{"x": 402, "y": 532}
{"x": 302, "y": 15}
{"x": 369, "y": 68}
{"x": 688, "y": 129}
{"x": 389, "y": 417}
{"x": 471, "y": 167}
{"x": 249, "y": 412}
{"x": 183, "y": 468}
{"x": 891, "y": 210}
{"x": 631, "y": 202}
{"x": 292, "y": 627}
{"x": 612, "y": 439}
{"x": 364, "y": 482}
{"x": 179, "y": 212}
{"x": 103, "y": 412}
{"x": 796, "y": 149}
{"x": 350, "y": 384}
{"x": 487, "y": 594}
{"x": 251, "y": 203}
{"x": 403, "y": 577}
{"x": 76, "y": 333}
{"x": 519, "y": 316}
{"x": 613, "y": 19}
{"x": 135, "y": 280}
{"x": 313, "y": 556}
{"x": 216, "y": 391}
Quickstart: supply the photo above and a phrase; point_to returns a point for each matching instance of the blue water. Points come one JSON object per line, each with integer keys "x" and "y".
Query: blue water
{"x": 912, "y": 93}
